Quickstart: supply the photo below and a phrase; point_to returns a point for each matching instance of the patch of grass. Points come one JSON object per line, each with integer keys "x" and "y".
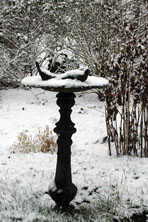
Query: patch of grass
{"x": 43, "y": 141}
{"x": 19, "y": 202}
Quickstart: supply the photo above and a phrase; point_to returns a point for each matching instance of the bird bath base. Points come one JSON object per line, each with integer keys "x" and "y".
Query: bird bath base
{"x": 64, "y": 190}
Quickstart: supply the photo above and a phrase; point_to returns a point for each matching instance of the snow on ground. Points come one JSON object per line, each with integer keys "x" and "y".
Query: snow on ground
{"x": 121, "y": 183}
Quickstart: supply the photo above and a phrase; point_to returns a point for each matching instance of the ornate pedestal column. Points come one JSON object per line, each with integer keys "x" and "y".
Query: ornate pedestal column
{"x": 64, "y": 190}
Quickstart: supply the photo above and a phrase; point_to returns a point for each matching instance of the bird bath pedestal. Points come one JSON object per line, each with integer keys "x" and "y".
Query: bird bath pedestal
{"x": 64, "y": 190}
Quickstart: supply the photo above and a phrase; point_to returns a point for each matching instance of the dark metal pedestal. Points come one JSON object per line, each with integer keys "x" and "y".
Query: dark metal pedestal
{"x": 65, "y": 190}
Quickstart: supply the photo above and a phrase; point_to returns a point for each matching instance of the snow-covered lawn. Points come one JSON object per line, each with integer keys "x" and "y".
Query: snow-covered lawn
{"x": 108, "y": 187}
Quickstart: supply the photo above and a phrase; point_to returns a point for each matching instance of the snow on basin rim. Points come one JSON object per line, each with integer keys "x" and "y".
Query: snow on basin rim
{"x": 91, "y": 82}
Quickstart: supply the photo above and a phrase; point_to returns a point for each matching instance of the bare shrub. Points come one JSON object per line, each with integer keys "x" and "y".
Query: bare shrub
{"x": 43, "y": 141}
{"x": 126, "y": 98}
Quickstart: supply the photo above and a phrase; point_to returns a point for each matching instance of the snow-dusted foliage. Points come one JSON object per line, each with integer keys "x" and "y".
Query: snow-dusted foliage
{"x": 126, "y": 99}
{"x": 22, "y": 26}
{"x": 92, "y": 30}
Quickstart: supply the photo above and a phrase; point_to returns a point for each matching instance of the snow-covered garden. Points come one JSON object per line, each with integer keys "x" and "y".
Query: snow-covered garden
{"x": 110, "y": 188}
{"x": 101, "y": 40}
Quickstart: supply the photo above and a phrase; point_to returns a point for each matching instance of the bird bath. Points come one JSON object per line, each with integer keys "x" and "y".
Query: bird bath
{"x": 63, "y": 191}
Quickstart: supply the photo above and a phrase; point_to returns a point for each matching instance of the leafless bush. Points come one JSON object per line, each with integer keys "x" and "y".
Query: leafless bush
{"x": 94, "y": 30}
{"x": 43, "y": 141}
{"x": 126, "y": 98}
{"x": 22, "y": 26}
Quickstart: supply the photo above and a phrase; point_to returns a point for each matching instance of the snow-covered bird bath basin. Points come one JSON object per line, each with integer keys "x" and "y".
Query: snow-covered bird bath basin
{"x": 65, "y": 85}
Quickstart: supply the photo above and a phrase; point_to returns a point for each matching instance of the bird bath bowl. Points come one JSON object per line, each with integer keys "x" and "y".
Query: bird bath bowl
{"x": 63, "y": 191}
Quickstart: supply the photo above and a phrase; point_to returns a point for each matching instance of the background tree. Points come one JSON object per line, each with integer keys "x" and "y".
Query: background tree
{"x": 22, "y": 27}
